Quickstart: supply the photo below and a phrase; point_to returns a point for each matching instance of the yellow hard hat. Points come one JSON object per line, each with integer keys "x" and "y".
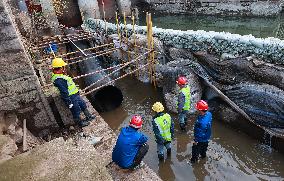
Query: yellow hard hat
{"x": 158, "y": 107}
{"x": 58, "y": 62}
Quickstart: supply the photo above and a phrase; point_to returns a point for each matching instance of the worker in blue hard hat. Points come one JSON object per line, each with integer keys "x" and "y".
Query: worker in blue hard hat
{"x": 69, "y": 92}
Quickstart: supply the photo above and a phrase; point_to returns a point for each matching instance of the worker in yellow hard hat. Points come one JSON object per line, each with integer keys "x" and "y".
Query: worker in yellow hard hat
{"x": 163, "y": 128}
{"x": 69, "y": 92}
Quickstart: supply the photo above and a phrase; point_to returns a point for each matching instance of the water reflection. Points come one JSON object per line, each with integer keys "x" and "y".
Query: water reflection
{"x": 115, "y": 122}
{"x": 165, "y": 170}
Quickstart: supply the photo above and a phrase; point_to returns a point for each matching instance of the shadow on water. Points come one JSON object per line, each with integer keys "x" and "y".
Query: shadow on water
{"x": 232, "y": 155}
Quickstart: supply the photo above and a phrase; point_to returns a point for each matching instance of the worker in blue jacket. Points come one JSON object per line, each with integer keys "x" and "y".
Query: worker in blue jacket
{"x": 163, "y": 128}
{"x": 131, "y": 145}
{"x": 69, "y": 92}
{"x": 202, "y": 131}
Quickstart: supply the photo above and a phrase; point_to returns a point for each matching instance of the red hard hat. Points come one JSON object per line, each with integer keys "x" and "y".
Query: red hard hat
{"x": 181, "y": 80}
{"x": 201, "y": 105}
{"x": 136, "y": 121}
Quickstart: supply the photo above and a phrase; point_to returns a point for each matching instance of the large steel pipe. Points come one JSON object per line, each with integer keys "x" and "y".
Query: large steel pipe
{"x": 106, "y": 98}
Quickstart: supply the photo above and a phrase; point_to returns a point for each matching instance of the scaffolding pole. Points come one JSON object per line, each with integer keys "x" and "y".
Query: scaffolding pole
{"x": 91, "y": 73}
{"x": 78, "y": 48}
{"x": 62, "y": 40}
{"x": 104, "y": 15}
{"x": 112, "y": 81}
{"x": 70, "y": 53}
{"x": 86, "y": 88}
{"x": 126, "y": 35}
{"x": 134, "y": 38}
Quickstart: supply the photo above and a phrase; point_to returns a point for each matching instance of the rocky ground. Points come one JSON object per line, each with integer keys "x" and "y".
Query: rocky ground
{"x": 72, "y": 158}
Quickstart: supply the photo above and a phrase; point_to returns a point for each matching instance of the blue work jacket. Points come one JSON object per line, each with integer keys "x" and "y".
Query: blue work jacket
{"x": 127, "y": 145}
{"x": 62, "y": 86}
{"x": 202, "y": 127}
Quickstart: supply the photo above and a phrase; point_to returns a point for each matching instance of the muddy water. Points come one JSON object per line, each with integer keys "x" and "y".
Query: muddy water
{"x": 232, "y": 155}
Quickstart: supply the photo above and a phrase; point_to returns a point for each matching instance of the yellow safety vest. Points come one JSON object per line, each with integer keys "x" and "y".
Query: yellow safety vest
{"x": 164, "y": 124}
{"x": 186, "y": 93}
{"x": 72, "y": 89}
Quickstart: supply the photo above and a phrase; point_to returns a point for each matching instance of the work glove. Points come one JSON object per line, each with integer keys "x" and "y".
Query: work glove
{"x": 70, "y": 106}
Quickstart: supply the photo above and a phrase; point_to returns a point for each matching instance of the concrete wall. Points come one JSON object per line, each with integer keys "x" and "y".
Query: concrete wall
{"x": 20, "y": 92}
{"x": 218, "y": 7}
{"x": 268, "y": 49}
{"x": 124, "y": 6}
{"x": 50, "y": 15}
{"x": 89, "y": 9}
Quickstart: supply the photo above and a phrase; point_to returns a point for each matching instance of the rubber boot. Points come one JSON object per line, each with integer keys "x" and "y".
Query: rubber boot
{"x": 88, "y": 115}
{"x": 193, "y": 160}
{"x": 81, "y": 123}
{"x": 84, "y": 123}
{"x": 169, "y": 151}
{"x": 185, "y": 121}
{"x": 161, "y": 157}
{"x": 182, "y": 126}
{"x": 203, "y": 156}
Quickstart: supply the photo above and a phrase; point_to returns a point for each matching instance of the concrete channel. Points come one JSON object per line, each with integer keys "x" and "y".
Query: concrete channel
{"x": 58, "y": 150}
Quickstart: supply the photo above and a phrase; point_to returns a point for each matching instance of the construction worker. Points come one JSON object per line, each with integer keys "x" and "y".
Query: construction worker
{"x": 163, "y": 128}
{"x": 69, "y": 92}
{"x": 183, "y": 103}
{"x": 131, "y": 145}
{"x": 202, "y": 131}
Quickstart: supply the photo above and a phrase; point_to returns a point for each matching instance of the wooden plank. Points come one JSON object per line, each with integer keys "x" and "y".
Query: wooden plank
{"x": 228, "y": 100}
{"x": 25, "y": 147}
{"x": 41, "y": 76}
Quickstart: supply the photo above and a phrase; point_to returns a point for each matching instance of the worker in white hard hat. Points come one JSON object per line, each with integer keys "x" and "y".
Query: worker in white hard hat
{"x": 163, "y": 128}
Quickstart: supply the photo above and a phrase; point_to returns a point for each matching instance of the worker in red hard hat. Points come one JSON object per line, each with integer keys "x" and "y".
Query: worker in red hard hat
{"x": 183, "y": 103}
{"x": 202, "y": 131}
{"x": 131, "y": 145}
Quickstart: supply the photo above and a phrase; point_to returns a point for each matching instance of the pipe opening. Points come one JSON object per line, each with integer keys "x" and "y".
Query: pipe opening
{"x": 106, "y": 99}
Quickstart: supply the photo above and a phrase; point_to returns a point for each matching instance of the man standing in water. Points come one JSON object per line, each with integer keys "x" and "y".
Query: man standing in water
{"x": 202, "y": 131}
{"x": 163, "y": 128}
{"x": 183, "y": 103}
{"x": 131, "y": 145}
{"x": 69, "y": 92}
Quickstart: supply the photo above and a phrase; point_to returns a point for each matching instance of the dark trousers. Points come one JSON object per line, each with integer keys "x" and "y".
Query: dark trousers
{"x": 199, "y": 149}
{"x": 140, "y": 155}
{"x": 78, "y": 105}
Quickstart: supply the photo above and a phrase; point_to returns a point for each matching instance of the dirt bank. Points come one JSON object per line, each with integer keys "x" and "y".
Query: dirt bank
{"x": 73, "y": 159}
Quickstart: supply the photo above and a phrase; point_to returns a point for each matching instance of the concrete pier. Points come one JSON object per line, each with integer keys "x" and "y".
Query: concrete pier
{"x": 50, "y": 15}
{"x": 124, "y": 6}
{"x": 89, "y": 9}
